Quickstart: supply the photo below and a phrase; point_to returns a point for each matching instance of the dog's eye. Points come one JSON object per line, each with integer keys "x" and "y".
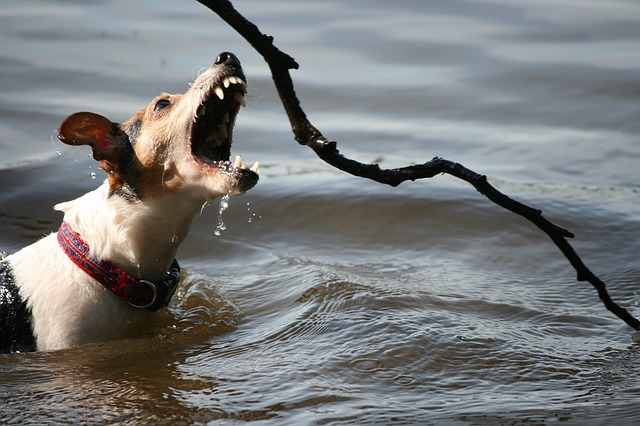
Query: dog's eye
{"x": 161, "y": 104}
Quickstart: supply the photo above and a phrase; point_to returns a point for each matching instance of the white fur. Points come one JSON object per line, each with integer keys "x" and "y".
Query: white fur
{"x": 69, "y": 307}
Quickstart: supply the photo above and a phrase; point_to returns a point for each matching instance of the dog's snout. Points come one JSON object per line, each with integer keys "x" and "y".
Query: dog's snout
{"x": 229, "y": 65}
{"x": 227, "y": 58}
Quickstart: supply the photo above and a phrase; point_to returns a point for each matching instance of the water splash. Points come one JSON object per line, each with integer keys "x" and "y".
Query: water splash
{"x": 252, "y": 215}
{"x": 204, "y": 206}
{"x": 224, "y": 204}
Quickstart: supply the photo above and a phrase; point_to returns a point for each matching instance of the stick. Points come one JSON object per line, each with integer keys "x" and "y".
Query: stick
{"x": 307, "y": 134}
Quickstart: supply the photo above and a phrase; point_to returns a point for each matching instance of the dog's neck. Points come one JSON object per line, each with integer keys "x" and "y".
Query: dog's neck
{"x": 140, "y": 237}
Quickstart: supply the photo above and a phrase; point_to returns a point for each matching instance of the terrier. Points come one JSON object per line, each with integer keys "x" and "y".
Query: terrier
{"x": 111, "y": 264}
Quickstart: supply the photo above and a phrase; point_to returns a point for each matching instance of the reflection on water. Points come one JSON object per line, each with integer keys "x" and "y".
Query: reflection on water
{"x": 333, "y": 300}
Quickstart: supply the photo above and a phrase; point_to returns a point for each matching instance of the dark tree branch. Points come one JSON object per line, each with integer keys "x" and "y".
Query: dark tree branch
{"x": 307, "y": 134}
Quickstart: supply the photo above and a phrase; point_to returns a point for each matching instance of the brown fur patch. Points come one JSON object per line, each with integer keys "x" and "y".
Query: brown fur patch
{"x": 155, "y": 138}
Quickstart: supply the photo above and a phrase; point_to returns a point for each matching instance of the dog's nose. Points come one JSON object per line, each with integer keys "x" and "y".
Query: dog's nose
{"x": 227, "y": 58}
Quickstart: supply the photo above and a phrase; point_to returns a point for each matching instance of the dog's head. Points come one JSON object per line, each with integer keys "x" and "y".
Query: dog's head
{"x": 178, "y": 142}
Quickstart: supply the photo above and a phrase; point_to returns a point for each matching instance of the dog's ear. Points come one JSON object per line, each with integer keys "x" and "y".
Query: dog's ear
{"x": 110, "y": 144}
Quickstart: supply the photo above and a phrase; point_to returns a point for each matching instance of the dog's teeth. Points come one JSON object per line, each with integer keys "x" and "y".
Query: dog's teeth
{"x": 237, "y": 80}
{"x": 255, "y": 167}
{"x": 237, "y": 162}
{"x": 226, "y": 82}
{"x": 219, "y": 93}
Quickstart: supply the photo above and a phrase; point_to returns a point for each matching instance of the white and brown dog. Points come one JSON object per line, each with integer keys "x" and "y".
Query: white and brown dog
{"x": 112, "y": 264}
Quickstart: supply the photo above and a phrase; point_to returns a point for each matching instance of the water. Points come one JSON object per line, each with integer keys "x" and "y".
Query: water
{"x": 349, "y": 302}
{"x": 223, "y": 205}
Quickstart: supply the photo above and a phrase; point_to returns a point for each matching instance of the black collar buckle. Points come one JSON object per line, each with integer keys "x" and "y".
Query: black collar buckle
{"x": 144, "y": 294}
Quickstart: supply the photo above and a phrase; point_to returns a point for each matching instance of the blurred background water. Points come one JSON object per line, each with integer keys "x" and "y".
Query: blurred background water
{"x": 330, "y": 299}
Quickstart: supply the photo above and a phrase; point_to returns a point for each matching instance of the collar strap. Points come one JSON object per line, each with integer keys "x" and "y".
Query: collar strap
{"x": 138, "y": 293}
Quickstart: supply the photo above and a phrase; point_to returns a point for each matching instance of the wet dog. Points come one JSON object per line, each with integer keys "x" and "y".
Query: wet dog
{"x": 111, "y": 264}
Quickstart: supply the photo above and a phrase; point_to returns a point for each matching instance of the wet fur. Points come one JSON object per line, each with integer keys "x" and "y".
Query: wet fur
{"x": 68, "y": 306}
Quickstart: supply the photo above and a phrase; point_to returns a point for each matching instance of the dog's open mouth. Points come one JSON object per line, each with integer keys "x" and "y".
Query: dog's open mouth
{"x": 212, "y": 130}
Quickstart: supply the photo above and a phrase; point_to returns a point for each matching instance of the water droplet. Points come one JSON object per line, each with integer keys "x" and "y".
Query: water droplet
{"x": 204, "y": 206}
{"x": 252, "y": 215}
{"x": 224, "y": 204}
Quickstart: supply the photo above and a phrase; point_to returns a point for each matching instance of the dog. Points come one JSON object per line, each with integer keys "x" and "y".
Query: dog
{"x": 111, "y": 264}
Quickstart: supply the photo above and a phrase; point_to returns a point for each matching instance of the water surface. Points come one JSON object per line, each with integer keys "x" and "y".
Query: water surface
{"x": 333, "y": 300}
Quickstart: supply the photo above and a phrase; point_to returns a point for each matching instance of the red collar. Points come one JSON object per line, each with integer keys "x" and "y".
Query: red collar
{"x": 138, "y": 293}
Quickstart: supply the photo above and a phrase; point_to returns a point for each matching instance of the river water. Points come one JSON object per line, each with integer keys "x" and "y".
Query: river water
{"x": 330, "y": 299}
